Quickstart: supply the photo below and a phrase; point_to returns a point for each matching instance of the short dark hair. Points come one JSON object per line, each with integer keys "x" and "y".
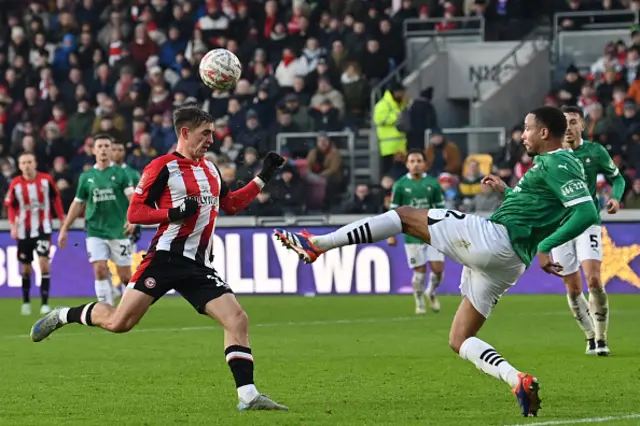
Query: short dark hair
{"x": 190, "y": 116}
{"x": 572, "y": 109}
{"x": 118, "y": 142}
{"x": 103, "y": 136}
{"x": 553, "y": 119}
{"x": 417, "y": 151}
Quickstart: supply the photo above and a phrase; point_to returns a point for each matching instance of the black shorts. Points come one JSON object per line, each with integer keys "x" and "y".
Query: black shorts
{"x": 161, "y": 271}
{"x": 40, "y": 244}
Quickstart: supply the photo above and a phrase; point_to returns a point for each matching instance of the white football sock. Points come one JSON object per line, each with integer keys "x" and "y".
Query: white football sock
{"x": 104, "y": 293}
{"x": 579, "y": 307}
{"x": 434, "y": 282}
{"x": 247, "y": 393}
{"x": 418, "y": 284}
{"x": 62, "y": 315}
{"x": 485, "y": 358}
{"x": 364, "y": 231}
{"x": 599, "y": 309}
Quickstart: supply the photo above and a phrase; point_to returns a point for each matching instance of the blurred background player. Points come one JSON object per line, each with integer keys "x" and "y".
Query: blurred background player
{"x": 105, "y": 189}
{"x": 585, "y": 251}
{"x": 29, "y": 201}
{"x": 494, "y": 252}
{"x": 118, "y": 156}
{"x": 418, "y": 189}
{"x": 183, "y": 194}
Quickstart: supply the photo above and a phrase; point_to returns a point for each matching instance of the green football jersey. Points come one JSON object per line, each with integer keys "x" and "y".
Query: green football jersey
{"x": 539, "y": 203}
{"x": 132, "y": 173}
{"x": 595, "y": 159}
{"x": 424, "y": 193}
{"x": 104, "y": 193}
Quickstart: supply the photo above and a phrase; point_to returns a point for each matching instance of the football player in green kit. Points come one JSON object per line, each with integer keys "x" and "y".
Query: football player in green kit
{"x": 549, "y": 206}
{"x": 418, "y": 189}
{"x": 585, "y": 251}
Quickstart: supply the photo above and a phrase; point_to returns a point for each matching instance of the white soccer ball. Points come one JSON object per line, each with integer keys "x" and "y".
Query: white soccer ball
{"x": 220, "y": 69}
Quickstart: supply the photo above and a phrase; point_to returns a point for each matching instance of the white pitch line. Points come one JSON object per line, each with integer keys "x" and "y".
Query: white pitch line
{"x": 583, "y": 420}
{"x": 266, "y": 324}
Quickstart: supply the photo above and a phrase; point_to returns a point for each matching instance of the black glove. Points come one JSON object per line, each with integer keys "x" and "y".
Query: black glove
{"x": 270, "y": 165}
{"x": 134, "y": 237}
{"x": 184, "y": 210}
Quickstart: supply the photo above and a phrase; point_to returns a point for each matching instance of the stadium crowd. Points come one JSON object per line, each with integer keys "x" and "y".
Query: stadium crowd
{"x": 72, "y": 68}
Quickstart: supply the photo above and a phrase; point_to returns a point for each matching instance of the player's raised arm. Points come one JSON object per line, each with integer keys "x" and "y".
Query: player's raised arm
{"x": 565, "y": 179}
{"x": 613, "y": 174}
{"x": 232, "y": 202}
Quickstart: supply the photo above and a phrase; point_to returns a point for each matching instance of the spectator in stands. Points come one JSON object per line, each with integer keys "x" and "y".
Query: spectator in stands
{"x": 571, "y": 86}
{"x": 522, "y": 166}
{"x": 288, "y": 190}
{"x": 487, "y": 200}
{"x": 633, "y": 148}
{"x": 249, "y": 167}
{"x": 253, "y": 136}
{"x": 448, "y": 185}
{"x": 228, "y": 175}
{"x": 470, "y": 183}
{"x": 616, "y": 107}
{"x": 231, "y": 149}
{"x": 506, "y": 159}
{"x": 299, "y": 114}
{"x": 327, "y": 92}
{"x": 628, "y": 118}
{"x": 143, "y": 154}
{"x": 597, "y": 126}
{"x": 398, "y": 166}
{"x": 422, "y": 116}
{"x": 632, "y": 201}
{"x": 356, "y": 93}
{"x": 604, "y": 92}
{"x": 588, "y": 97}
{"x": 361, "y": 202}
{"x": 287, "y": 69}
{"x": 263, "y": 205}
{"x": 442, "y": 155}
{"x": 375, "y": 63}
{"x": 325, "y": 165}
{"x": 285, "y": 124}
{"x": 385, "y": 118}
{"x": 326, "y": 118}
{"x": 81, "y": 121}
{"x": 63, "y": 179}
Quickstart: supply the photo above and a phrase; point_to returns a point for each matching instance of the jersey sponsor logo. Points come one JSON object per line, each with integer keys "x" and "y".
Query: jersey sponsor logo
{"x": 205, "y": 199}
{"x": 90, "y": 180}
{"x": 563, "y": 166}
{"x": 573, "y": 186}
{"x": 150, "y": 283}
{"x": 102, "y": 195}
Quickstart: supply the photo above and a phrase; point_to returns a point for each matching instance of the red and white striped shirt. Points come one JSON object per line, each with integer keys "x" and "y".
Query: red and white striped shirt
{"x": 29, "y": 205}
{"x": 166, "y": 183}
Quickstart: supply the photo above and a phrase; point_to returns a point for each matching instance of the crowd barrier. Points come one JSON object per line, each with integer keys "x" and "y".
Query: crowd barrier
{"x": 252, "y": 262}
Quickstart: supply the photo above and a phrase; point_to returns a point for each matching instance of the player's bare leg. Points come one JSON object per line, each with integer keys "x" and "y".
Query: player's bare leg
{"x": 131, "y": 309}
{"x": 408, "y": 220}
{"x": 103, "y": 285}
{"x": 598, "y": 304}
{"x": 435, "y": 278}
{"x": 462, "y": 339}
{"x": 231, "y": 316}
{"x": 45, "y": 284}
{"x": 580, "y": 308}
{"x": 417, "y": 282}
{"x": 25, "y": 271}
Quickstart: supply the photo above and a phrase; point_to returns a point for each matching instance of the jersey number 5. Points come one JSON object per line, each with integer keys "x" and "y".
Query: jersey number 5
{"x": 594, "y": 241}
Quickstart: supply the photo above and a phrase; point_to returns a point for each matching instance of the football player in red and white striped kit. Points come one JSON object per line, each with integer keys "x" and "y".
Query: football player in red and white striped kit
{"x": 183, "y": 193}
{"x": 29, "y": 201}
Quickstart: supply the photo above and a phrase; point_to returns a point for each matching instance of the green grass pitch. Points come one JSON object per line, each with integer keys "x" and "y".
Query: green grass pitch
{"x": 333, "y": 360}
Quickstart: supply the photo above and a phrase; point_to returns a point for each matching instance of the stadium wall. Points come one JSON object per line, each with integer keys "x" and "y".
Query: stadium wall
{"x": 252, "y": 263}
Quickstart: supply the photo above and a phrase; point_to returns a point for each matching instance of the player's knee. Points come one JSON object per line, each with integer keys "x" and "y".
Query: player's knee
{"x": 124, "y": 278}
{"x": 594, "y": 282}
{"x": 237, "y": 321}
{"x": 405, "y": 213}
{"x": 101, "y": 271}
{"x": 420, "y": 269}
{"x": 437, "y": 268}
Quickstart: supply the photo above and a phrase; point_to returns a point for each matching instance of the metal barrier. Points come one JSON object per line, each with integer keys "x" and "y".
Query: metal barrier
{"x": 473, "y": 143}
{"x": 510, "y": 63}
{"x": 470, "y": 25}
{"x": 584, "y": 46}
{"x": 344, "y": 141}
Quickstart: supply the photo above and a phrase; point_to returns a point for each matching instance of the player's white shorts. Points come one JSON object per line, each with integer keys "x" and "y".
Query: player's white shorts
{"x": 586, "y": 246}
{"x": 491, "y": 266}
{"x": 420, "y": 254}
{"x": 117, "y": 250}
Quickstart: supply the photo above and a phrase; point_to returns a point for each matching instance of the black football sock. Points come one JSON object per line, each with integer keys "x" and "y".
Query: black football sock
{"x": 240, "y": 362}
{"x": 45, "y": 282}
{"x": 26, "y": 288}
{"x": 81, "y": 314}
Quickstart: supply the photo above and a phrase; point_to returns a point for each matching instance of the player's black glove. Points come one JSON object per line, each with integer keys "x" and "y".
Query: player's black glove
{"x": 134, "y": 237}
{"x": 270, "y": 165}
{"x": 184, "y": 210}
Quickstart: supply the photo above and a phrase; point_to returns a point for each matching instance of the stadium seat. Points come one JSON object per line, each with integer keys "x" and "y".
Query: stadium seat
{"x": 484, "y": 160}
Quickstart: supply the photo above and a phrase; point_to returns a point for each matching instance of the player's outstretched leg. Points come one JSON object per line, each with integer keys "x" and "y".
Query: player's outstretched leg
{"x": 580, "y": 309}
{"x": 404, "y": 219}
{"x": 462, "y": 340}
{"x": 237, "y": 351}
{"x": 96, "y": 314}
{"x": 598, "y": 305}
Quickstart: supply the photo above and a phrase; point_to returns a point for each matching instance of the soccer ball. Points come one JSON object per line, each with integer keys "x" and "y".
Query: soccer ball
{"x": 220, "y": 69}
